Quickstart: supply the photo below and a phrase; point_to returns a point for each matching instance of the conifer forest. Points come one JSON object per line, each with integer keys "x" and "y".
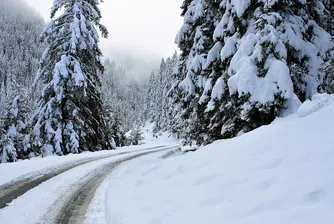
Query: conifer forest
{"x": 234, "y": 125}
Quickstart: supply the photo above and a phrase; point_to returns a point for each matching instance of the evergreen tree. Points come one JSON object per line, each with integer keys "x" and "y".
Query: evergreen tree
{"x": 70, "y": 118}
{"x": 327, "y": 71}
{"x": 7, "y": 149}
{"x": 269, "y": 59}
{"x": 160, "y": 107}
{"x": 136, "y": 135}
{"x": 17, "y": 127}
{"x": 327, "y": 18}
{"x": 243, "y": 62}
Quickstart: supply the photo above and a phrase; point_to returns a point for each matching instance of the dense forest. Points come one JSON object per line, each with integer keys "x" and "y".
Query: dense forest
{"x": 242, "y": 63}
{"x": 23, "y": 92}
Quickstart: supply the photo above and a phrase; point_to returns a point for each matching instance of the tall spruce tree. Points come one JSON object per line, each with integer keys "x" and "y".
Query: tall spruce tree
{"x": 190, "y": 41}
{"x": 243, "y": 63}
{"x": 70, "y": 118}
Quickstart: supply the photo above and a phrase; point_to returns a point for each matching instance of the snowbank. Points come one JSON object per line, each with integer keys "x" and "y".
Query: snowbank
{"x": 281, "y": 173}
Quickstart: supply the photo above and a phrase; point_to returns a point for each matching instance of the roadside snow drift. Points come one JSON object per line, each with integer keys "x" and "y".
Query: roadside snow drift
{"x": 281, "y": 173}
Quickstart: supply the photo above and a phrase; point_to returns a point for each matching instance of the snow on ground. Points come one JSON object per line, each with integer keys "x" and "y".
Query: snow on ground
{"x": 11, "y": 171}
{"x": 281, "y": 173}
{"x": 161, "y": 138}
{"x": 38, "y": 204}
{"x": 96, "y": 212}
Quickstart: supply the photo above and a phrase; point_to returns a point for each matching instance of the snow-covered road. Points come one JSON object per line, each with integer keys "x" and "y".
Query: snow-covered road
{"x": 19, "y": 186}
{"x": 61, "y": 194}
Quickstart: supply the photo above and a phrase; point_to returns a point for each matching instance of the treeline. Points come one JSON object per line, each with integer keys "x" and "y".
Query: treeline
{"x": 242, "y": 64}
{"x": 20, "y": 50}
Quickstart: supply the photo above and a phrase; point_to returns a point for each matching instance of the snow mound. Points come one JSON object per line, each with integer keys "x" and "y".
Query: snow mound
{"x": 188, "y": 148}
{"x": 318, "y": 102}
{"x": 280, "y": 173}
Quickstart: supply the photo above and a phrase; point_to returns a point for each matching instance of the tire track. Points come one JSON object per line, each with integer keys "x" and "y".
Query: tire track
{"x": 75, "y": 208}
{"x": 16, "y": 188}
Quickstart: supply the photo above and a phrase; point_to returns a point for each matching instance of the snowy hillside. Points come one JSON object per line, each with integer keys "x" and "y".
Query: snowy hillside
{"x": 281, "y": 173}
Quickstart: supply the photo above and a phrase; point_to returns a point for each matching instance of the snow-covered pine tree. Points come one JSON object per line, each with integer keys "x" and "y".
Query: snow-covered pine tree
{"x": 7, "y": 149}
{"x": 167, "y": 106}
{"x": 327, "y": 18}
{"x": 17, "y": 127}
{"x": 327, "y": 68}
{"x": 149, "y": 104}
{"x": 195, "y": 40}
{"x": 159, "y": 96}
{"x": 159, "y": 106}
{"x": 136, "y": 135}
{"x": 70, "y": 118}
{"x": 269, "y": 47}
{"x": 190, "y": 41}
{"x": 165, "y": 82}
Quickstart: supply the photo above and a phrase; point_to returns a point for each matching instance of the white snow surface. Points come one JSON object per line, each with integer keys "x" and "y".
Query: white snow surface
{"x": 40, "y": 204}
{"x": 318, "y": 101}
{"x": 161, "y": 138}
{"x": 280, "y": 173}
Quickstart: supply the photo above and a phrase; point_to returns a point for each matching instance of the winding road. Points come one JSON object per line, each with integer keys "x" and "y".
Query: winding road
{"x": 72, "y": 209}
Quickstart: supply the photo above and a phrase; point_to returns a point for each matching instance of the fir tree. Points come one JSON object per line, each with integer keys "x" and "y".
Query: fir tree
{"x": 136, "y": 135}
{"x": 70, "y": 117}
{"x": 7, "y": 149}
{"x": 17, "y": 127}
{"x": 243, "y": 62}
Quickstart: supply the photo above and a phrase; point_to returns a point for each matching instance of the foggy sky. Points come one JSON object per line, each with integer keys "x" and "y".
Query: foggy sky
{"x": 141, "y": 31}
{"x": 147, "y": 25}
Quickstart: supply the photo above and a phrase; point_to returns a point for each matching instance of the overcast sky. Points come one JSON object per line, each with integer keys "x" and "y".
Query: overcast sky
{"x": 141, "y": 32}
{"x": 148, "y": 26}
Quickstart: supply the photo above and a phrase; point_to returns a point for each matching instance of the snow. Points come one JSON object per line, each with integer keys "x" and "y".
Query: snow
{"x": 12, "y": 131}
{"x": 213, "y": 55}
{"x": 39, "y": 204}
{"x": 218, "y": 89}
{"x": 318, "y": 101}
{"x": 292, "y": 107}
{"x": 160, "y": 138}
{"x": 264, "y": 89}
{"x": 229, "y": 48}
{"x": 280, "y": 173}
{"x": 240, "y": 6}
{"x": 217, "y": 93}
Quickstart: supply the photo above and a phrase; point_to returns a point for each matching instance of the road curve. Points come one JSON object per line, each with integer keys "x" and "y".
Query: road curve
{"x": 16, "y": 188}
{"x": 75, "y": 207}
